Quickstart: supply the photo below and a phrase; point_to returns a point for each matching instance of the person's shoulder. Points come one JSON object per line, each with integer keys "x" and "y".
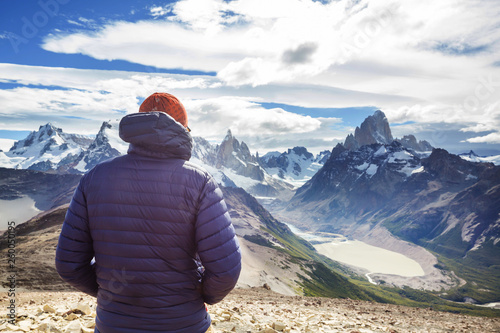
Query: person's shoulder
{"x": 197, "y": 169}
{"x": 105, "y": 166}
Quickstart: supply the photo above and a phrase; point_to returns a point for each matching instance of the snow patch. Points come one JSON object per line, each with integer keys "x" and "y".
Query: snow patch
{"x": 371, "y": 170}
{"x": 114, "y": 139}
{"x": 400, "y": 157}
{"x": 363, "y": 166}
{"x": 418, "y": 170}
{"x": 470, "y": 177}
{"x": 381, "y": 151}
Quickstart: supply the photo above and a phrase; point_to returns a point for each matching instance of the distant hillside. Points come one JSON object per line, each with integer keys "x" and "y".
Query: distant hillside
{"x": 46, "y": 189}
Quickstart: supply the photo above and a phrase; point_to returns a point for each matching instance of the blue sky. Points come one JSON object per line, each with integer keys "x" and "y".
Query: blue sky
{"x": 278, "y": 73}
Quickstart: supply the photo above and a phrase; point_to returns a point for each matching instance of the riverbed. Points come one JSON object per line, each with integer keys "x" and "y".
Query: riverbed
{"x": 359, "y": 254}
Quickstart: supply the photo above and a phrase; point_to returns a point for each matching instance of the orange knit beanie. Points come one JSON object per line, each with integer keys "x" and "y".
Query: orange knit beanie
{"x": 166, "y": 103}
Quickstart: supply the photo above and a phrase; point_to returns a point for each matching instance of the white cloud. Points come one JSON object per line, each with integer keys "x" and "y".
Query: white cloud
{"x": 75, "y": 23}
{"x": 158, "y": 11}
{"x": 94, "y": 96}
{"x": 490, "y": 138}
{"x": 426, "y": 62}
{"x": 248, "y": 42}
{"x": 244, "y": 118}
{"x": 444, "y": 123}
{"x": 262, "y": 129}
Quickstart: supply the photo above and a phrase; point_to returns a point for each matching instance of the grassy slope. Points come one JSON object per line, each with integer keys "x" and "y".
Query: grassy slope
{"x": 480, "y": 268}
{"x": 325, "y": 280}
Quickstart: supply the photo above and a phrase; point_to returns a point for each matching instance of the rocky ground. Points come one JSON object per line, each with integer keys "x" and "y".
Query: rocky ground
{"x": 251, "y": 310}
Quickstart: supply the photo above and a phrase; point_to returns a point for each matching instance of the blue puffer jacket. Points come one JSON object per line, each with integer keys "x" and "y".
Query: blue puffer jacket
{"x": 159, "y": 230}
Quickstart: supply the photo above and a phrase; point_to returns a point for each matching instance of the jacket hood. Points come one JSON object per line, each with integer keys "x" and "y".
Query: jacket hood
{"x": 155, "y": 134}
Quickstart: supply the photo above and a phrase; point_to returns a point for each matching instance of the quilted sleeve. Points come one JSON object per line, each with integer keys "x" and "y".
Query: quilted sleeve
{"x": 74, "y": 251}
{"x": 218, "y": 246}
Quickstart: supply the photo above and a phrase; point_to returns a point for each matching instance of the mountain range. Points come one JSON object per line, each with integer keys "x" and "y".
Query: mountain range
{"x": 374, "y": 185}
{"x": 51, "y": 150}
{"x": 423, "y": 198}
{"x": 399, "y": 194}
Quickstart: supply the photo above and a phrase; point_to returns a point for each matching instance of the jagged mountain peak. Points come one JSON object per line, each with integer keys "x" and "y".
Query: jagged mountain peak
{"x": 410, "y": 141}
{"x": 229, "y": 136}
{"x": 44, "y": 149}
{"x": 107, "y": 144}
{"x": 471, "y": 153}
{"x": 237, "y": 157}
{"x": 49, "y": 127}
{"x": 452, "y": 168}
{"x": 301, "y": 151}
{"x": 44, "y": 133}
{"x": 296, "y": 165}
{"x": 374, "y": 129}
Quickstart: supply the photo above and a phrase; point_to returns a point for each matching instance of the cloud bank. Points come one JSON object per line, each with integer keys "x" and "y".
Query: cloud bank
{"x": 426, "y": 64}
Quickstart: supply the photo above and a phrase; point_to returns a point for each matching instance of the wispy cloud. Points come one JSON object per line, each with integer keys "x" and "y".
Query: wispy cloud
{"x": 425, "y": 62}
{"x": 159, "y": 11}
{"x": 254, "y": 43}
{"x": 95, "y": 96}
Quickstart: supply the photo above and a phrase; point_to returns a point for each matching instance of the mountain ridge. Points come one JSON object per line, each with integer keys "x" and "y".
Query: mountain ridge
{"x": 433, "y": 199}
{"x": 438, "y": 201}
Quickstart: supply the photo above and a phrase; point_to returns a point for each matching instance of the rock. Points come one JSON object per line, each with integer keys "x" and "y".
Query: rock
{"x": 48, "y": 328}
{"x": 269, "y": 330}
{"x": 226, "y": 316}
{"x": 84, "y": 308}
{"x": 25, "y": 325}
{"x": 87, "y": 330}
{"x": 264, "y": 311}
{"x": 89, "y": 323}
{"x": 13, "y": 328}
{"x": 48, "y": 308}
{"x": 71, "y": 317}
{"x": 73, "y": 327}
{"x": 278, "y": 326}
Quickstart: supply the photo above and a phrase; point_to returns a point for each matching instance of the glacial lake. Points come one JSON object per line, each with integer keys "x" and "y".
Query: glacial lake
{"x": 359, "y": 254}
{"x": 18, "y": 210}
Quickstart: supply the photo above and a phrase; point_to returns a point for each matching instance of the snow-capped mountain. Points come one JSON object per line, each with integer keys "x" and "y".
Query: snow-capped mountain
{"x": 375, "y": 129}
{"x": 237, "y": 157}
{"x": 295, "y": 166}
{"x": 365, "y": 177}
{"x": 233, "y": 165}
{"x": 274, "y": 175}
{"x": 410, "y": 142}
{"x": 51, "y": 150}
{"x": 107, "y": 144}
{"x": 473, "y": 157}
{"x": 45, "y": 150}
{"x": 437, "y": 200}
